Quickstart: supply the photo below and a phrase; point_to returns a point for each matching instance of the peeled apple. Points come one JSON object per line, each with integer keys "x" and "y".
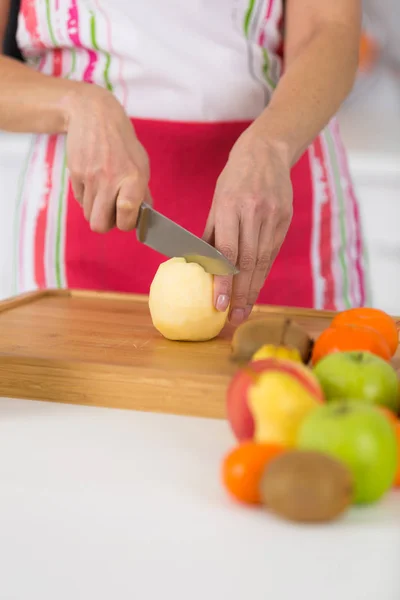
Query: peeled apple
{"x": 181, "y": 302}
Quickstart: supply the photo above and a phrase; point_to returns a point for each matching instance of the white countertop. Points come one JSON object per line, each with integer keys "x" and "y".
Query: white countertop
{"x": 109, "y": 504}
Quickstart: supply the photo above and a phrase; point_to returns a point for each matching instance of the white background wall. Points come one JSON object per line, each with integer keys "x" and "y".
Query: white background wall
{"x": 371, "y": 130}
{"x": 370, "y": 123}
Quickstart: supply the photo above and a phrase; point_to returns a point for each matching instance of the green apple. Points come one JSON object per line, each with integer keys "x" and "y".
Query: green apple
{"x": 360, "y": 436}
{"x": 359, "y": 375}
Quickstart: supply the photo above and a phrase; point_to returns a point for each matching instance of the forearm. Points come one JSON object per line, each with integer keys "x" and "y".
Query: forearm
{"x": 316, "y": 81}
{"x": 31, "y": 102}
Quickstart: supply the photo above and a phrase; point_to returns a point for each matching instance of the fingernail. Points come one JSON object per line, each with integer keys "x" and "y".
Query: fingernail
{"x": 222, "y": 302}
{"x": 237, "y": 316}
{"x": 247, "y": 311}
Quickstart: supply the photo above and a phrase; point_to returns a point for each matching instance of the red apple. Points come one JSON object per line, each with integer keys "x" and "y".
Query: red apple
{"x": 238, "y": 412}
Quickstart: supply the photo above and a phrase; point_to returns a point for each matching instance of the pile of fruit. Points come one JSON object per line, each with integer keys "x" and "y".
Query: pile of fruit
{"x": 316, "y": 421}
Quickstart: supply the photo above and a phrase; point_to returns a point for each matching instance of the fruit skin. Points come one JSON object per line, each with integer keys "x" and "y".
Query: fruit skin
{"x": 345, "y": 338}
{"x": 396, "y": 483}
{"x": 272, "y": 329}
{"x": 243, "y": 467}
{"x": 238, "y": 412}
{"x": 360, "y": 376}
{"x": 389, "y": 414}
{"x": 306, "y": 487}
{"x": 239, "y": 415}
{"x": 271, "y": 351}
{"x": 395, "y": 422}
{"x": 360, "y": 436}
{"x": 371, "y": 317}
{"x": 279, "y": 401}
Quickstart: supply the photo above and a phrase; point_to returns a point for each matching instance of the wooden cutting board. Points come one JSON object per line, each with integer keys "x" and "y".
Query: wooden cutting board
{"x": 101, "y": 349}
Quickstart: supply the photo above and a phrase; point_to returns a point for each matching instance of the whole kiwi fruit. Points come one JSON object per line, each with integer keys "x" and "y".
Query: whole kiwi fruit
{"x": 306, "y": 487}
{"x": 273, "y": 329}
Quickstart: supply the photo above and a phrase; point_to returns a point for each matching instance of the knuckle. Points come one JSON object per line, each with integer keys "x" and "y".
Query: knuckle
{"x": 133, "y": 184}
{"x": 247, "y": 261}
{"x": 274, "y": 208}
{"x": 90, "y": 176}
{"x": 125, "y": 225}
{"x": 223, "y": 284}
{"x": 99, "y": 226}
{"x": 100, "y": 223}
{"x": 77, "y": 175}
{"x": 127, "y": 218}
{"x": 134, "y": 174}
{"x": 239, "y": 300}
{"x": 225, "y": 203}
{"x": 287, "y": 212}
{"x": 252, "y": 298}
{"x": 254, "y": 202}
{"x": 263, "y": 262}
{"x": 228, "y": 251}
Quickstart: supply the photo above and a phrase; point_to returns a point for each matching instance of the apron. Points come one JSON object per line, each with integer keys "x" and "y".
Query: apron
{"x": 192, "y": 75}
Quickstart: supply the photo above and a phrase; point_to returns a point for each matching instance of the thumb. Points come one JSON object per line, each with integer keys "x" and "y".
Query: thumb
{"x": 148, "y": 198}
{"x": 130, "y": 197}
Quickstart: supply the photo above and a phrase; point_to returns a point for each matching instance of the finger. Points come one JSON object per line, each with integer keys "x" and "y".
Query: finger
{"x": 78, "y": 189}
{"x": 89, "y": 193}
{"x": 248, "y": 249}
{"x": 264, "y": 262}
{"x": 226, "y": 241}
{"x": 209, "y": 230}
{"x": 148, "y": 198}
{"x": 102, "y": 216}
{"x": 132, "y": 193}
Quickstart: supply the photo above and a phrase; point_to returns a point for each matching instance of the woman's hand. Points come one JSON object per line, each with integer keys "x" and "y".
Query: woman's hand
{"x": 249, "y": 218}
{"x": 108, "y": 166}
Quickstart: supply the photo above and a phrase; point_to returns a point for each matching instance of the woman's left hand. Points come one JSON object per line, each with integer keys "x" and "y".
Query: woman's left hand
{"x": 249, "y": 219}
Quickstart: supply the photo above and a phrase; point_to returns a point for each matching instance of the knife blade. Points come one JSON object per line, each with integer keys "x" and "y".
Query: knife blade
{"x": 170, "y": 239}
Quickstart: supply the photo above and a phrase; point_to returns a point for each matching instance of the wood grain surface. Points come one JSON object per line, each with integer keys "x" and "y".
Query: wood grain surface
{"x": 101, "y": 349}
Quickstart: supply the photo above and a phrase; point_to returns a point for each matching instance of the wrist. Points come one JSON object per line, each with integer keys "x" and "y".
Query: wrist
{"x": 261, "y": 137}
{"x": 81, "y": 94}
{"x": 271, "y": 128}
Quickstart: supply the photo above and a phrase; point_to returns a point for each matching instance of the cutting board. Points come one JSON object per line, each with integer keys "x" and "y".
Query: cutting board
{"x": 101, "y": 349}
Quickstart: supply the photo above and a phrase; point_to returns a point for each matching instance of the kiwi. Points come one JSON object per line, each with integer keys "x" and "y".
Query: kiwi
{"x": 279, "y": 331}
{"x": 306, "y": 487}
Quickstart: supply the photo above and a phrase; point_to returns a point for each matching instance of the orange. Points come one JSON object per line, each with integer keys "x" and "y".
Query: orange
{"x": 371, "y": 317}
{"x": 347, "y": 338}
{"x": 243, "y": 468}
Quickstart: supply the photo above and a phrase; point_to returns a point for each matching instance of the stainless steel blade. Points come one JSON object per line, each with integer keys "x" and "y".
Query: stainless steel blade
{"x": 172, "y": 240}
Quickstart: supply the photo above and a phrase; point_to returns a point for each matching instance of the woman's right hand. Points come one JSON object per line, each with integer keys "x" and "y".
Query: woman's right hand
{"x": 108, "y": 166}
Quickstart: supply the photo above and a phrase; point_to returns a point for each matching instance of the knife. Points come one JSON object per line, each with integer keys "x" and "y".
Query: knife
{"x": 163, "y": 235}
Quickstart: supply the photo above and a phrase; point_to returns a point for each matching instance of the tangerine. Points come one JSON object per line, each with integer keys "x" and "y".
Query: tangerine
{"x": 243, "y": 468}
{"x": 346, "y": 338}
{"x": 371, "y": 317}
